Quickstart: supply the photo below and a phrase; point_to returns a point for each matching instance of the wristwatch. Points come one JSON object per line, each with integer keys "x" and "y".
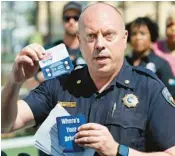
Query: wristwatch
{"x": 123, "y": 150}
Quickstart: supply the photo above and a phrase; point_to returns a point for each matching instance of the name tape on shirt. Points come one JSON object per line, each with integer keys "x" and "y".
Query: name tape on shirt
{"x": 67, "y": 104}
{"x": 67, "y": 128}
{"x": 56, "y": 62}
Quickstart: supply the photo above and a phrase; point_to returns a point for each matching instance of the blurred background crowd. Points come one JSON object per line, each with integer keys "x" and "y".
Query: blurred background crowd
{"x": 151, "y": 42}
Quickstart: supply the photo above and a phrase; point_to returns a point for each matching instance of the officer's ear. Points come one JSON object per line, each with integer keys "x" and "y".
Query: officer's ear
{"x": 125, "y": 36}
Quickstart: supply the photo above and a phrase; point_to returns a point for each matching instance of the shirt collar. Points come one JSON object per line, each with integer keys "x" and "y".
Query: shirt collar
{"x": 125, "y": 76}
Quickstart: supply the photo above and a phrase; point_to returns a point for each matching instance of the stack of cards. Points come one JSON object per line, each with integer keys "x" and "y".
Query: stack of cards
{"x": 56, "y": 62}
{"x": 56, "y": 135}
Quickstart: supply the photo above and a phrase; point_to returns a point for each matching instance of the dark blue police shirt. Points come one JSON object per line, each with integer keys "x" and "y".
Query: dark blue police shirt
{"x": 158, "y": 65}
{"x": 147, "y": 127}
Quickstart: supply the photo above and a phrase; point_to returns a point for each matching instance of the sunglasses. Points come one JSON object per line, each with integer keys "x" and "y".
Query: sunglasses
{"x": 67, "y": 18}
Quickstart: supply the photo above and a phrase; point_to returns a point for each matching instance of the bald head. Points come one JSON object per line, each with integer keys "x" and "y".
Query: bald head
{"x": 101, "y": 11}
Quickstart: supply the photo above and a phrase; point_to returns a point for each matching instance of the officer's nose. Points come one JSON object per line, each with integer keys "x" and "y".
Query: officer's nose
{"x": 99, "y": 45}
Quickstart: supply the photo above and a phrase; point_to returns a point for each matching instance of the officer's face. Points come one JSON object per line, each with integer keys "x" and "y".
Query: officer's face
{"x": 140, "y": 38}
{"x": 70, "y": 22}
{"x": 102, "y": 39}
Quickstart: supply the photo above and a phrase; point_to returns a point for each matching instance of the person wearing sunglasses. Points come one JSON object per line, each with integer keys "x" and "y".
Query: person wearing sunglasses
{"x": 70, "y": 17}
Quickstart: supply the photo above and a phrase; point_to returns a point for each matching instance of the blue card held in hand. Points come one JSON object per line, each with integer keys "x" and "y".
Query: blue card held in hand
{"x": 67, "y": 128}
{"x": 56, "y": 62}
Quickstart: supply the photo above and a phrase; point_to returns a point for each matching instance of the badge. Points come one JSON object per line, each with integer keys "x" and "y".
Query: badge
{"x": 168, "y": 96}
{"x": 171, "y": 82}
{"x": 151, "y": 66}
{"x": 67, "y": 104}
{"x": 130, "y": 100}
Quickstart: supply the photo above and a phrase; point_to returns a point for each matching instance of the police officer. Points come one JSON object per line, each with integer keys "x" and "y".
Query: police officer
{"x": 129, "y": 111}
{"x": 142, "y": 32}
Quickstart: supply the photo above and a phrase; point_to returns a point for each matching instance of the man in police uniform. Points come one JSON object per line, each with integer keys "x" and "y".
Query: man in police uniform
{"x": 128, "y": 109}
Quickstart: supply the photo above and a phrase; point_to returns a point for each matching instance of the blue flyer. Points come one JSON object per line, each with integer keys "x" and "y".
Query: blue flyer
{"x": 67, "y": 128}
{"x": 56, "y": 62}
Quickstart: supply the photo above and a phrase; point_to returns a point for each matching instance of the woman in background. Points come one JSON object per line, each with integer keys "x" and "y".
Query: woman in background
{"x": 166, "y": 48}
{"x": 142, "y": 33}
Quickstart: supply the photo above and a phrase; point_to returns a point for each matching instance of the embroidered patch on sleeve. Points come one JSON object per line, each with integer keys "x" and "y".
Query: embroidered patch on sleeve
{"x": 168, "y": 96}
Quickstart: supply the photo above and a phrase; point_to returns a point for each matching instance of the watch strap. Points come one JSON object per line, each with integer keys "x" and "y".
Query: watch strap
{"x": 123, "y": 150}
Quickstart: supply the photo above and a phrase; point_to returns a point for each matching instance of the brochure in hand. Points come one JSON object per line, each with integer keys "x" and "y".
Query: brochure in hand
{"x": 67, "y": 128}
{"x": 56, "y": 62}
{"x": 49, "y": 137}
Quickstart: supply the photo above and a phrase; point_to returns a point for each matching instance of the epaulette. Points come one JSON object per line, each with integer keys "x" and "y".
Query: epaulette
{"x": 79, "y": 67}
{"x": 69, "y": 78}
{"x": 147, "y": 72}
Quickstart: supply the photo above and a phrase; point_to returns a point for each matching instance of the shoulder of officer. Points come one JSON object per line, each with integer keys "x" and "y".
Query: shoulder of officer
{"x": 79, "y": 67}
{"x": 78, "y": 71}
{"x": 71, "y": 77}
{"x": 143, "y": 71}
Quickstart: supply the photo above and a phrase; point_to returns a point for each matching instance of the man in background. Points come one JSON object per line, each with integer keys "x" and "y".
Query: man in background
{"x": 70, "y": 16}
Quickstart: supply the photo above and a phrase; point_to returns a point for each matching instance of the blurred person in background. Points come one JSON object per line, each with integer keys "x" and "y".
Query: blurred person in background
{"x": 70, "y": 16}
{"x": 166, "y": 48}
{"x": 142, "y": 33}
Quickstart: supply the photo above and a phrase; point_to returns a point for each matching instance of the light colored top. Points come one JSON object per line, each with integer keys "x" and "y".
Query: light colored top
{"x": 161, "y": 49}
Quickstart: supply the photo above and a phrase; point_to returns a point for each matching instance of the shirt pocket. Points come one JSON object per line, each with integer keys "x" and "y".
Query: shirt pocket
{"x": 128, "y": 128}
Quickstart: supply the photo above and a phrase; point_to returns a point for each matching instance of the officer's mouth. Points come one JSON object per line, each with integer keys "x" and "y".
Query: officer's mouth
{"x": 101, "y": 58}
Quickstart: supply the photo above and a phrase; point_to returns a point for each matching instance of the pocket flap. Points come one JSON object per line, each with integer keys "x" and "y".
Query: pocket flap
{"x": 127, "y": 119}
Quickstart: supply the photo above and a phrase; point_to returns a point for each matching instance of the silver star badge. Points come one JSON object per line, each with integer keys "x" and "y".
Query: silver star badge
{"x": 130, "y": 100}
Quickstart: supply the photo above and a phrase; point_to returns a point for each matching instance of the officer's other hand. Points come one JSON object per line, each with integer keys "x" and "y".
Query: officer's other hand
{"x": 26, "y": 62}
{"x": 98, "y": 137}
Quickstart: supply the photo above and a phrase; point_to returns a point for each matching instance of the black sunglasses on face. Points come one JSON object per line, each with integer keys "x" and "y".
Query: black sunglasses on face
{"x": 67, "y": 18}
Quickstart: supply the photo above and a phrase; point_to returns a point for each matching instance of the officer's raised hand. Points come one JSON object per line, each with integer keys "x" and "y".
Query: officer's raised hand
{"x": 26, "y": 63}
{"x": 98, "y": 137}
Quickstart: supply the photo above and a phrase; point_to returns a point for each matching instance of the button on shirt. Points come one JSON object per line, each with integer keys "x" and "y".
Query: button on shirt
{"x": 149, "y": 126}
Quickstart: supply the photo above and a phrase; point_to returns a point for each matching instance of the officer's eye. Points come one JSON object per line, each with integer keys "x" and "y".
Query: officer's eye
{"x": 90, "y": 37}
{"x": 110, "y": 35}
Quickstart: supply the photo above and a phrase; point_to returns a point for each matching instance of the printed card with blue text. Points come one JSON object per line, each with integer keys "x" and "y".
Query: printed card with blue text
{"x": 56, "y": 62}
{"x": 67, "y": 128}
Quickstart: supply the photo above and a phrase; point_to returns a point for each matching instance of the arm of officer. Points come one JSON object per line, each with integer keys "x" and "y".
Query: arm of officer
{"x": 17, "y": 114}
{"x": 98, "y": 137}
